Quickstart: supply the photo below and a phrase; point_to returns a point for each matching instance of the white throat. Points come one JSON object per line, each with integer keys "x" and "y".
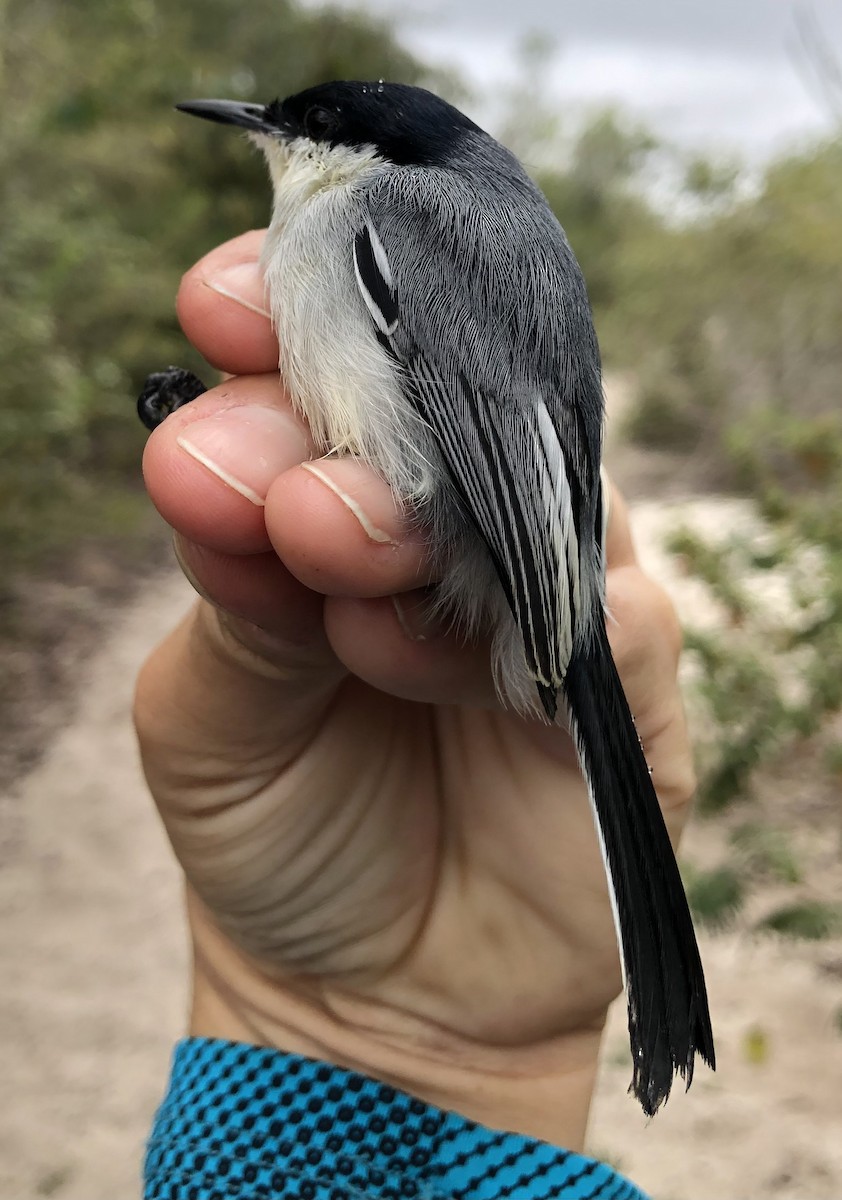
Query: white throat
{"x": 336, "y": 372}
{"x": 300, "y": 169}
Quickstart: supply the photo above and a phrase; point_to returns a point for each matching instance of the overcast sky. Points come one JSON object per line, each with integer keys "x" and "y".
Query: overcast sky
{"x": 707, "y": 73}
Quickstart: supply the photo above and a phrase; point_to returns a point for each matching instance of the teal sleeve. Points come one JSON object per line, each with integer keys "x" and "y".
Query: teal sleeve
{"x": 253, "y": 1123}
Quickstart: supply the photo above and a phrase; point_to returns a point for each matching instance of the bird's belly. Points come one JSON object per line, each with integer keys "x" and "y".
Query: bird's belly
{"x": 321, "y": 346}
{"x": 338, "y": 375}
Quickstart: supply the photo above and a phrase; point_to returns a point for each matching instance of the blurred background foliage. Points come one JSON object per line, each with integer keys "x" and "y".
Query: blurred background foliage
{"x": 717, "y": 290}
{"x": 106, "y": 197}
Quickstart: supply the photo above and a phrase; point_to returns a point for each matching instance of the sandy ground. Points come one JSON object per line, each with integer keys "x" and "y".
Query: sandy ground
{"x": 91, "y": 941}
{"x": 94, "y": 969}
{"x": 756, "y": 1129}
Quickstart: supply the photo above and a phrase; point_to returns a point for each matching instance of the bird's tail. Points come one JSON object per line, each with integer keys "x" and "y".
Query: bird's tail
{"x": 669, "y": 1021}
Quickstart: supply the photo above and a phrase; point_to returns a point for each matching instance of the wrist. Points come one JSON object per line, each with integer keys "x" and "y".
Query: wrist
{"x": 541, "y": 1089}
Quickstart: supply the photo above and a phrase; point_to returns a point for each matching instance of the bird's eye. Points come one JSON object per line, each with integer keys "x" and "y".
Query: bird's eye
{"x": 319, "y": 122}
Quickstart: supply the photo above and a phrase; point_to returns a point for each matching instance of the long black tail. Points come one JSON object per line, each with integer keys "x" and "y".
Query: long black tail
{"x": 669, "y": 1021}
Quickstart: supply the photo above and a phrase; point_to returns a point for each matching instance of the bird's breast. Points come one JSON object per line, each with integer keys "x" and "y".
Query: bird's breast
{"x": 339, "y": 376}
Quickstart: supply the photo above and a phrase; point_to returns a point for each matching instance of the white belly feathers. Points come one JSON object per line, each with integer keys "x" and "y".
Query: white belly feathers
{"x": 339, "y": 376}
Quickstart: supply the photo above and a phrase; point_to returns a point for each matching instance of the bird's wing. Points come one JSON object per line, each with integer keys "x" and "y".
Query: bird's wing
{"x": 491, "y": 327}
{"x": 509, "y": 425}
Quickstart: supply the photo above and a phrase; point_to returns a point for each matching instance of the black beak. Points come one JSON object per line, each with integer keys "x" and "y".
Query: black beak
{"x": 231, "y": 112}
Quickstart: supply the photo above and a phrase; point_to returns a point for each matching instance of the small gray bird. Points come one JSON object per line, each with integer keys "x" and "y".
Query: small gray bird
{"x": 433, "y": 321}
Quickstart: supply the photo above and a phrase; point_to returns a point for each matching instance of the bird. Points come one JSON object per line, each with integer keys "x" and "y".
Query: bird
{"x": 433, "y": 321}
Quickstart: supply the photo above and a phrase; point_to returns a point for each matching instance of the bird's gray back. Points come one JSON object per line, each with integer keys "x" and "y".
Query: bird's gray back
{"x": 482, "y": 267}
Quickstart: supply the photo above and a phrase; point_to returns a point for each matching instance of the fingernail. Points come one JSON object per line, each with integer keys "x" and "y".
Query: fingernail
{"x": 244, "y": 284}
{"x": 247, "y": 448}
{"x": 415, "y": 616}
{"x": 372, "y": 531}
{"x": 180, "y": 558}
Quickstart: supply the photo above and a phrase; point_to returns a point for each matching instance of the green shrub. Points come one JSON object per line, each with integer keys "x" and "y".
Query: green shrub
{"x": 108, "y": 195}
{"x": 811, "y": 920}
{"x": 715, "y": 896}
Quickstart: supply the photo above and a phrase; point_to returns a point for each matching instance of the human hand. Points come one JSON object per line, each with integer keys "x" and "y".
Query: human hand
{"x": 384, "y": 869}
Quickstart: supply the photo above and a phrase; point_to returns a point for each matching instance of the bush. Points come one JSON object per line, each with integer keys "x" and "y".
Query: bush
{"x": 109, "y": 195}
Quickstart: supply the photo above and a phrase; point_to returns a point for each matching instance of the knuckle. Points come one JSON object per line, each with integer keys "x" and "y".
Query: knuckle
{"x": 645, "y": 623}
{"x": 665, "y": 620}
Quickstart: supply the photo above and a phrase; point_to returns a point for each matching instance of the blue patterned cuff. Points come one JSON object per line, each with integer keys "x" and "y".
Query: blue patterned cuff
{"x": 247, "y": 1122}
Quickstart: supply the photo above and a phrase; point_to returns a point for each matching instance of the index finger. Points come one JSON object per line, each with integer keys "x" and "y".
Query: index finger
{"x": 224, "y": 311}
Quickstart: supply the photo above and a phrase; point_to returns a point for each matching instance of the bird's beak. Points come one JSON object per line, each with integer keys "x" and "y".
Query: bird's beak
{"x": 231, "y": 112}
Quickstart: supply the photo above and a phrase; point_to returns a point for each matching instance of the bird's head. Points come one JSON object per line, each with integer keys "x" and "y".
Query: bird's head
{"x": 404, "y": 125}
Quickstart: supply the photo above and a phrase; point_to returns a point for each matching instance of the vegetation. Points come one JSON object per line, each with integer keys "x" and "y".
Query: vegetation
{"x": 746, "y": 383}
{"x": 730, "y": 322}
{"x": 106, "y": 198}
{"x": 714, "y": 895}
{"x": 722, "y": 298}
{"x": 812, "y": 920}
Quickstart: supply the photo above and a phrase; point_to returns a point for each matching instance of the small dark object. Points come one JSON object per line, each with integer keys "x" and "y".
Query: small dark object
{"x": 164, "y": 392}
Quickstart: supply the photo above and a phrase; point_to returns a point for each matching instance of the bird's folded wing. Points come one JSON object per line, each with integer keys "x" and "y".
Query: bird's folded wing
{"x": 503, "y": 452}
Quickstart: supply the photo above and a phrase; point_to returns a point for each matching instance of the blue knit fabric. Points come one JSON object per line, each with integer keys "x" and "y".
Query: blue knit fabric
{"x": 242, "y": 1121}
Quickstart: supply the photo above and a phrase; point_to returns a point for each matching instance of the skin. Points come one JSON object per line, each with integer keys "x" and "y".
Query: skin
{"x": 383, "y": 868}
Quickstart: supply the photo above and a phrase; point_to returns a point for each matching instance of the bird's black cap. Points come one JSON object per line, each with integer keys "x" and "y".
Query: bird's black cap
{"x": 406, "y": 125}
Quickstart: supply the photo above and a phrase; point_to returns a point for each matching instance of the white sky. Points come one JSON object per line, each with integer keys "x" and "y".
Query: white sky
{"x": 713, "y": 74}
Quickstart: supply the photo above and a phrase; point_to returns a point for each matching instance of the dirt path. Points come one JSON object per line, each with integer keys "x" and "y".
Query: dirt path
{"x": 93, "y": 952}
{"x": 93, "y": 991}
{"x": 756, "y": 1130}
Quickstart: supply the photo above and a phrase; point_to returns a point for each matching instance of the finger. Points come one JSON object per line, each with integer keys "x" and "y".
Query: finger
{"x": 337, "y": 527}
{"x": 254, "y": 697}
{"x": 393, "y": 644}
{"x": 645, "y": 639}
{"x": 219, "y": 472}
{"x": 226, "y": 706}
{"x": 209, "y": 466}
{"x": 257, "y": 590}
{"x": 645, "y": 635}
{"x": 223, "y": 308}
{"x": 619, "y": 545}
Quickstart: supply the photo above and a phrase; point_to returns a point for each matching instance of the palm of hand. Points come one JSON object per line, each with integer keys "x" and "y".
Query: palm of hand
{"x": 405, "y": 841}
